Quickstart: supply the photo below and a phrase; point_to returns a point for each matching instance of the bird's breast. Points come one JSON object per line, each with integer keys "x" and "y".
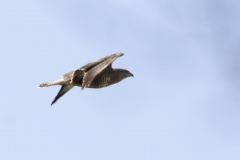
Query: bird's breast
{"x": 102, "y": 80}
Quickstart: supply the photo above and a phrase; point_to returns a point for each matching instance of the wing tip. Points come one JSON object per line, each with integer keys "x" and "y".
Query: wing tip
{"x": 119, "y": 54}
{"x": 82, "y": 87}
{"x": 52, "y": 102}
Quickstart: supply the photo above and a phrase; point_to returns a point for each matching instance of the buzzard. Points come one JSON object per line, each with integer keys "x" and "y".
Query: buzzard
{"x": 96, "y": 74}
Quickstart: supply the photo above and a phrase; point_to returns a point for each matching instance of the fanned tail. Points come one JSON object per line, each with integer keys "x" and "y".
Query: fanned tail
{"x": 51, "y": 83}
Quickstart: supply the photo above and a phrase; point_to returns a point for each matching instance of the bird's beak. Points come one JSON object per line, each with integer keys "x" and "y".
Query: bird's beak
{"x": 131, "y": 75}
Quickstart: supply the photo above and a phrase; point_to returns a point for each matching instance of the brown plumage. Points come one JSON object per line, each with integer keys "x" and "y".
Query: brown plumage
{"x": 97, "y": 74}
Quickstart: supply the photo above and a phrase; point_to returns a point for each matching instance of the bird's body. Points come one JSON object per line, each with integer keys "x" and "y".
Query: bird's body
{"x": 97, "y": 74}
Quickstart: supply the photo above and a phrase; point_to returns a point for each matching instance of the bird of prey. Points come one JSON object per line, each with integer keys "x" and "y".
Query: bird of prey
{"x": 96, "y": 74}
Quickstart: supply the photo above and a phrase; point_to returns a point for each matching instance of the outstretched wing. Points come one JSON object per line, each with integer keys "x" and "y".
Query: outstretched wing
{"x": 62, "y": 91}
{"x": 102, "y": 64}
{"x": 79, "y": 73}
{"x": 90, "y": 65}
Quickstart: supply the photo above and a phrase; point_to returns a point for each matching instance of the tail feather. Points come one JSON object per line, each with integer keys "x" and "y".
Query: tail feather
{"x": 51, "y": 83}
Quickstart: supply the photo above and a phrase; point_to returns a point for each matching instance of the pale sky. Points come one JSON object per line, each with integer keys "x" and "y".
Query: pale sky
{"x": 182, "y": 104}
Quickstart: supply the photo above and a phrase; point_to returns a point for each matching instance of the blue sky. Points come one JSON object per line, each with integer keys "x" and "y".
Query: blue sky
{"x": 183, "y": 102}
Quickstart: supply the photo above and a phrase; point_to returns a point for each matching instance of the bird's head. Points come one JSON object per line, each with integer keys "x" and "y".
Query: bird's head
{"x": 127, "y": 74}
{"x": 123, "y": 73}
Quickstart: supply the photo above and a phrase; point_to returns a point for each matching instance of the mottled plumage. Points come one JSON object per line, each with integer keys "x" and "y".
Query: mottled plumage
{"x": 97, "y": 74}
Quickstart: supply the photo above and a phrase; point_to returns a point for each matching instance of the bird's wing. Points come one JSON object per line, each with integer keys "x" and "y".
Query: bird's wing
{"x": 62, "y": 91}
{"x": 78, "y": 74}
{"x": 73, "y": 76}
{"x": 103, "y": 63}
{"x": 90, "y": 65}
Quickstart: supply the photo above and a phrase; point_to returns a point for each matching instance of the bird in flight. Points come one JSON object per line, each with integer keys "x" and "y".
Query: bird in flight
{"x": 96, "y": 74}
